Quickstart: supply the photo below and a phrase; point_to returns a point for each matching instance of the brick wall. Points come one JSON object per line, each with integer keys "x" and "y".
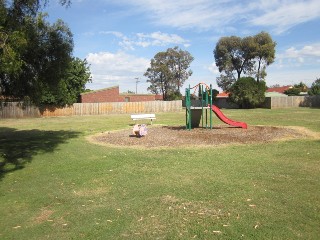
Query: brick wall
{"x": 159, "y": 97}
{"x": 104, "y": 95}
{"x": 112, "y": 95}
{"x": 136, "y": 97}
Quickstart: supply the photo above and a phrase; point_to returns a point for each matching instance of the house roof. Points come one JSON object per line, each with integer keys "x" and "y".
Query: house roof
{"x": 138, "y": 94}
{"x": 223, "y": 95}
{"x": 279, "y": 89}
{"x": 274, "y": 94}
{"x": 100, "y": 90}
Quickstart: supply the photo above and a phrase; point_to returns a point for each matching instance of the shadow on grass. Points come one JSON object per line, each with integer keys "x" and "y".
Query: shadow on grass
{"x": 17, "y": 147}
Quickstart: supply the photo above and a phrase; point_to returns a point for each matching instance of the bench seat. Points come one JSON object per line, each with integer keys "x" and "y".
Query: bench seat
{"x": 150, "y": 116}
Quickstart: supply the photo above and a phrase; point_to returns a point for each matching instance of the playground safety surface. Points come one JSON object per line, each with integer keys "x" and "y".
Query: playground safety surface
{"x": 178, "y": 136}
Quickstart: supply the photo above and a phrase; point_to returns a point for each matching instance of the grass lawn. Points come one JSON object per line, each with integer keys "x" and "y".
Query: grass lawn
{"x": 54, "y": 184}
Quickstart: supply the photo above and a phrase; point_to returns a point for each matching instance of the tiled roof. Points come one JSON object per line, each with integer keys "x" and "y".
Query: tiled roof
{"x": 223, "y": 95}
{"x": 279, "y": 89}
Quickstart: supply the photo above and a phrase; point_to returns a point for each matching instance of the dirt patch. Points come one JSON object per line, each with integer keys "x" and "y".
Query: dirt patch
{"x": 176, "y": 136}
{"x": 43, "y": 216}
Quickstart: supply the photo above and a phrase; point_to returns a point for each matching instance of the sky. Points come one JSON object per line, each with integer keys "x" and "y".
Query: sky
{"x": 118, "y": 38}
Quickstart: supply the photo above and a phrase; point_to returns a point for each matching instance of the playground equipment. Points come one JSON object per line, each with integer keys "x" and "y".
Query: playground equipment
{"x": 140, "y": 130}
{"x": 200, "y": 112}
{"x": 195, "y": 113}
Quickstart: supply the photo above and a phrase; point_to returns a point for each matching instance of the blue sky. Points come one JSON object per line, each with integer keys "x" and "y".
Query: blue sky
{"x": 120, "y": 37}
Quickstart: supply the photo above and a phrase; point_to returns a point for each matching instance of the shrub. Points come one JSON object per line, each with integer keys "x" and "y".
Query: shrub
{"x": 315, "y": 88}
{"x": 248, "y": 93}
{"x": 296, "y": 89}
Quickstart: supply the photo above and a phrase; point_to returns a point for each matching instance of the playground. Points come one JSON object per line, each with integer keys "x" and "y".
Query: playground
{"x": 200, "y": 129}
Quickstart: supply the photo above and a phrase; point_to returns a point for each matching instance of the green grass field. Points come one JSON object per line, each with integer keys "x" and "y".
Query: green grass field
{"x": 54, "y": 184}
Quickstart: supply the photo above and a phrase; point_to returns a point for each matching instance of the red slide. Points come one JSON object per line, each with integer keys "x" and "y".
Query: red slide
{"x": 223, "y": 118}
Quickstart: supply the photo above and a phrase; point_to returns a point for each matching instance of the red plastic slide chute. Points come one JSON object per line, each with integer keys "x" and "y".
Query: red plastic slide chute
{"x": 226, "y": 120}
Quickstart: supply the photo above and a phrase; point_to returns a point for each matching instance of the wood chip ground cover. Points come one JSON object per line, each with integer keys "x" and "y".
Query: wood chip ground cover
{"x": 178, "y": 136}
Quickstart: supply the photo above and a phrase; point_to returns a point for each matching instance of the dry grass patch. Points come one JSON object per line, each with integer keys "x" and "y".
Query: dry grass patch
{"x": 43, "y": 216}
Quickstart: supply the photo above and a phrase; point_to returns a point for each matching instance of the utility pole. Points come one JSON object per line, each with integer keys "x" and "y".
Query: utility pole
{"x": 137, "y": 81}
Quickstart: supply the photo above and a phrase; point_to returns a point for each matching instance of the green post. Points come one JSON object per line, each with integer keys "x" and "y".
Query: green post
{"x": 210, "y": 106}
{"x": 206, "y": 105}
{"x": 188, "y": 109}
{"x": 201, "y": 89}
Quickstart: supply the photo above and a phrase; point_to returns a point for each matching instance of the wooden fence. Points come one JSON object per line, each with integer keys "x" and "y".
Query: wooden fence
{"x": 292, "y": 101}
{"x": 18, "y": 110}
{"x": 270, "y": 102}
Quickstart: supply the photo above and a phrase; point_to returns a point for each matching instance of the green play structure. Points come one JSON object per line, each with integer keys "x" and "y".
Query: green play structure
{"x": 199, "y": 112}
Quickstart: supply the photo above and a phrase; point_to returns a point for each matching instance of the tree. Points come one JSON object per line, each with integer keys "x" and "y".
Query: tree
{"x": 247, "y": 92}
{"x": 36, "y": 60}
{"x": 244, "y": 55}
{"x": 168, "y": 71}
{"x": 315, "y": 88}
{"x": 179, "y": 63}
{"x": 296, "y": 89}
{"x": 265, "y": 52}
{"x": 235, "y": 54}
{"x": 69, "y": 88}
{"x": 226, "y": 80}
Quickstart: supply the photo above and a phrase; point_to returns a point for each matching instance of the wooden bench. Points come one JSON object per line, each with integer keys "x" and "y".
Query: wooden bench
{"x": 150, "y": 116}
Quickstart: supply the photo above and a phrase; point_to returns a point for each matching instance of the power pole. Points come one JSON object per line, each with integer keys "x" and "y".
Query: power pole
{"x": 137, "y": 81}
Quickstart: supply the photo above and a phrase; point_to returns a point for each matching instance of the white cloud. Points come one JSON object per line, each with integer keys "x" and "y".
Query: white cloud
{"x": 213, "y": 68}
{"x": 160, "y": 39}
{"x": 115, "y": 68}
{"x": 311, "y": 51}
{"x": 115, "y": 33}
{"x": 202, "y": 14}
{"x": 279, "y": 15}
{"x": 283, "y": 15}
{"x": 295, "y": 58}
{"x": 145, "y": 40}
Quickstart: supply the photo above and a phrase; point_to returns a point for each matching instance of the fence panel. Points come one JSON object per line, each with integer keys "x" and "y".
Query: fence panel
{"x": 18, "y": 110}
{"x": 292, "y": 101}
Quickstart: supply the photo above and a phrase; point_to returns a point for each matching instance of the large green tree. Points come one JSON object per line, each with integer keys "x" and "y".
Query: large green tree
{"x": 36, "y": 59}
{"x": 248, "y": 55}
{"x": 168, "y": 72}
{"x": 264, "y": 53}
{"x": 235, "y": 54}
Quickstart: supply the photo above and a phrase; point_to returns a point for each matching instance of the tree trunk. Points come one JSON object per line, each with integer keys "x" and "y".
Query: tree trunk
{"x": 258, "y": 74}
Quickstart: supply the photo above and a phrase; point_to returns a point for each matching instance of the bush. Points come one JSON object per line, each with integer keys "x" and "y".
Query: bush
{"x": 248, "y": 93}
{"x": 315, "y": 88}
{"x": 296, "y": 89}
{"x": 174, "y": 96}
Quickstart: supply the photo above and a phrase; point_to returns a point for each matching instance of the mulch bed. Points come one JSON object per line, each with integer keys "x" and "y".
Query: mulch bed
{"x": 175, "y": 136}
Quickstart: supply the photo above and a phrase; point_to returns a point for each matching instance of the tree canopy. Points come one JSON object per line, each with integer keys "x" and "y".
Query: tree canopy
{"x": 315, "y": 88}
{"x": 36, "y": 61}
{"x": 168, "y": 72}
{"x": 249, "y": 55}
{"x": 296, "y": 89}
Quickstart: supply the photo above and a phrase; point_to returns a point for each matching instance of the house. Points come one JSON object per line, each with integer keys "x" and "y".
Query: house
{"x": 112, "y": 94}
